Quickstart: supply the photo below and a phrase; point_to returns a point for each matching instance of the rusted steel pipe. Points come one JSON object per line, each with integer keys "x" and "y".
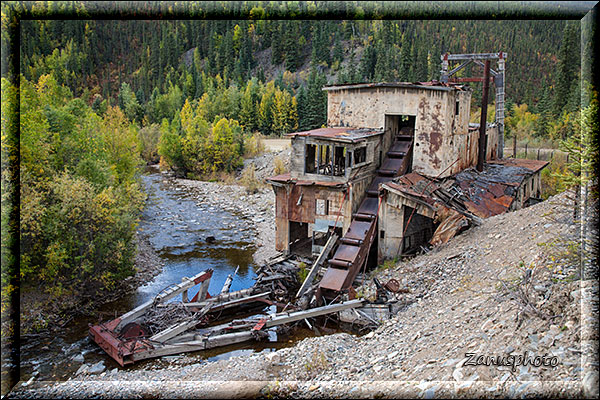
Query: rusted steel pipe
{"x": 483, "y": 123}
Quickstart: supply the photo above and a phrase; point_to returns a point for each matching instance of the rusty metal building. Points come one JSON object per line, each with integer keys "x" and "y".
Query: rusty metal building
{"x": 417, "y": 210}
{"x": 331, "y": 168}
{"x": 392, "y": 172}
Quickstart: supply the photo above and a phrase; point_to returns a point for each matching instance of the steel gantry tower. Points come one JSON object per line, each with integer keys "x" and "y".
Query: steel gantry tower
{"x": 498, "y": 77}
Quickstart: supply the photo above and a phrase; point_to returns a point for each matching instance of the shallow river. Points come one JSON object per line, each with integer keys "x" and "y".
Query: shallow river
{"x": 177, "y": 225}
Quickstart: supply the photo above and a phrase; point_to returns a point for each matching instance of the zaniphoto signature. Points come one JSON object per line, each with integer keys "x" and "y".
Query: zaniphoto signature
{"x": 513, "y": 361}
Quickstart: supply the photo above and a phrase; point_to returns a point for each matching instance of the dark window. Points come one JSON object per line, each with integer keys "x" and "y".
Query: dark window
{"x": 457, "y": 108}
{"x": 382, "y": 234}
{"x": 360, "y": 155}
{"x": 310, "y": 152}
{"x": 339, "y": 161}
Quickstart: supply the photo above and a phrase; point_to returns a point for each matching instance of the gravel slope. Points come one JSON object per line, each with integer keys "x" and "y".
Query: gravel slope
{"x": 462, "y": 297}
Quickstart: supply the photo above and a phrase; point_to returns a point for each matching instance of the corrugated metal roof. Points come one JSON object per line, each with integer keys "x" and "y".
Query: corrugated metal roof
{"x": 532, "y": 165}
{"x": 286, "y": 178}
{"x": 484, "y": 194}
{"x": 339, "y": 134}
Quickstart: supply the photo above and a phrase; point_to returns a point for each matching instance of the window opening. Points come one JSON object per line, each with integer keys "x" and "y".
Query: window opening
{"x": 310, "y": 160}
{"x": 360, "y": 155}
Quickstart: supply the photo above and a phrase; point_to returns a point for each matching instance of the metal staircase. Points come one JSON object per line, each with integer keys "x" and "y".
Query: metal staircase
{"x": 354, "y": 247}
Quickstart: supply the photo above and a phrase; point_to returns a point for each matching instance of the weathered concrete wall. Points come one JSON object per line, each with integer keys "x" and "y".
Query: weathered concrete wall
{"x": 391, "y": 223}
{"x": 297, "y": 157}
{"x": 441, "y": 135}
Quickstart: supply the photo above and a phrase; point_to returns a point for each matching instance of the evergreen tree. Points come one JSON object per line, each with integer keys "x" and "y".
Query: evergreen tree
{"x": 338, "y": 52}
{"x": 277, "y": 44}
{"x": 292, "y": 50}
{"x": 404, "y": 70}
{"x": 568, "y": 67}
{"x": 316, "y": 101}
{"x": 301, "y": 100}
{"x": 545, "y": 110}
{"x": 368, "y": 62}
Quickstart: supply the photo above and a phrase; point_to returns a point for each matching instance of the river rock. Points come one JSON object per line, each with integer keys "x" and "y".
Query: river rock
{"x": 96, "y": 368}
{"x": 84, "y": 368}
{"x": 210, "y": 239}
{"x": 78, "y": 358}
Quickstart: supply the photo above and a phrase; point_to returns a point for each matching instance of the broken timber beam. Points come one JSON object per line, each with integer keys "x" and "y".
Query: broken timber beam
{"x": 226, "y": 304}
{"x": 317, "y": 265}
{"x": 168, "y": 294}
{"x": 203, "y": 344}
{"x": 280, "y": 319}
{"x": 175, "y": 330}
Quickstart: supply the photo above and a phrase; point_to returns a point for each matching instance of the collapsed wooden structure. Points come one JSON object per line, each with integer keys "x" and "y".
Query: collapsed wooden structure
{"x": 163, "y": 327}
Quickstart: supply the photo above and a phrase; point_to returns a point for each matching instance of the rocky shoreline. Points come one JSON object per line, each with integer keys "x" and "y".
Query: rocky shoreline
{"x": 258, "y": 208}
{"x": 455, "y": 304}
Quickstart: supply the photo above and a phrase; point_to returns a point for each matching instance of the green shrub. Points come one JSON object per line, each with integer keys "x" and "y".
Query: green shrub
{"x": 249, "y": 180}
{"x": 148, "y": 143}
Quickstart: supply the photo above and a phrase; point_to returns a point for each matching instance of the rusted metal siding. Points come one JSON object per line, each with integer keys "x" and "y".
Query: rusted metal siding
{"x": 281, "y": 219}
{"x": 301, "y": 204}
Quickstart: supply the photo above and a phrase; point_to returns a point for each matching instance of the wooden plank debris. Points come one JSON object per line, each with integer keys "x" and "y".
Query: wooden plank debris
{"x": 164, "y": 296}
{"x": 317, "y": 265}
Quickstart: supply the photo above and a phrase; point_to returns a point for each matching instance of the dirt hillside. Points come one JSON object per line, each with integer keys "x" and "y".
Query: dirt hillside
{"x": 509, "y": 287}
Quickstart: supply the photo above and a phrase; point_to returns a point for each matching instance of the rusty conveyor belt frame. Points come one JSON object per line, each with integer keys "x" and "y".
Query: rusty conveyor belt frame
{"x": 354, "y": 247}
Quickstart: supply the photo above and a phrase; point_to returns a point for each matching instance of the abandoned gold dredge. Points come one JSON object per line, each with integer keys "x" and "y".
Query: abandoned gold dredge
{"x": 398, "y": 169}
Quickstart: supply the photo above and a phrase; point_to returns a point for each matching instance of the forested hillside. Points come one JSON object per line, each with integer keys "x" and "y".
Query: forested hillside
{"x": 212, "y": 62}
{"x": 98, "y": 97}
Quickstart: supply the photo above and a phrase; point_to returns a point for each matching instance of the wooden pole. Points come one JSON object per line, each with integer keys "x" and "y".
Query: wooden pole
{"x": 483, "y": 123}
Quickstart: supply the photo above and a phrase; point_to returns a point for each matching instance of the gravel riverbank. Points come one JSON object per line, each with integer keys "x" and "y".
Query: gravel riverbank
{"x": 472, "y": 295}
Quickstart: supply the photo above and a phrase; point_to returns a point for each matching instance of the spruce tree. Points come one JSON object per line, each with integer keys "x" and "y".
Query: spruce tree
{"x": 544, "y": 109}
{"x": 404, "y": 70}
{"x": 301, "y": 108}
{"x": 568, "y": 66}
{"x": 338, "y": 52}
{"x": 368, "y": 61}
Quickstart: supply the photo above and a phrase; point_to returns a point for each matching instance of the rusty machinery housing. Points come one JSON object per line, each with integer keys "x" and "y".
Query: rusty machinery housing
{"x": 385, "y": 140}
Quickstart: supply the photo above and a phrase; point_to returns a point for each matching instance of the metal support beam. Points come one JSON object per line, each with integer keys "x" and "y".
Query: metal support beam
{"x": 476, "y": 56}
{"x": 483, "y": 123}
{"x": 461, "y": 66}
{"x": 498, "y": 77}
{"x": 494, "y": 73}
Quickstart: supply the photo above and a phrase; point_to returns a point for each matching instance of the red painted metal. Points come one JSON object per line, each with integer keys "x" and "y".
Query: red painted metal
{"x": 120, "y": 349}
{"x": 392, "y": 285}
{"x": 261, "y": 323}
